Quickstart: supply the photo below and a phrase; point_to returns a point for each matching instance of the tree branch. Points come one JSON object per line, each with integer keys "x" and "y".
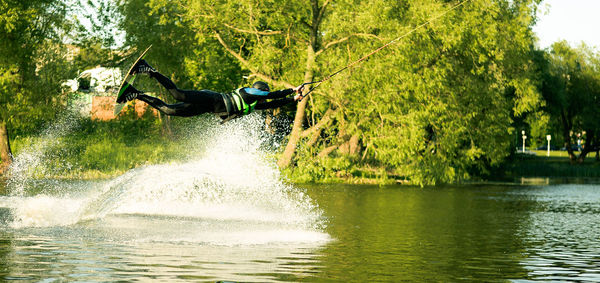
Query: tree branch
{"x": 319, "y": 126}
{"x": 305, "y": 23}
{"x": 235, "y": 54}
{"x": 335, "y": 42}
{"x": 322, "y": 11}
{"x": 316, "y": 130}
{"x": 326, "y": 151}
{"x": 267, "y": 32}
{"x": 248, "y": 65}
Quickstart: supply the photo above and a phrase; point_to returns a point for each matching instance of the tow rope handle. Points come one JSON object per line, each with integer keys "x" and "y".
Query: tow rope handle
{"x": 311, "y": 89}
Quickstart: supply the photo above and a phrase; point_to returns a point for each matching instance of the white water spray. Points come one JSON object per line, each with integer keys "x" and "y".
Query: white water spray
{"x": 229, "y": 190}
{"x": 32, "y": 163}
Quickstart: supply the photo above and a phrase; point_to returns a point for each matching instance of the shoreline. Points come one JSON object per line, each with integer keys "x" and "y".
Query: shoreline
{"x": 518, "y": 169}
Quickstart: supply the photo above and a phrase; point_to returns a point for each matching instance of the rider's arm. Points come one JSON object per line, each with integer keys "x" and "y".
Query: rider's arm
{"x": 280, "y": 93}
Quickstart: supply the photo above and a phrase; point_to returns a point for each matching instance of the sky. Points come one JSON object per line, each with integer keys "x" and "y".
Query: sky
{"x": 571, "y": 20}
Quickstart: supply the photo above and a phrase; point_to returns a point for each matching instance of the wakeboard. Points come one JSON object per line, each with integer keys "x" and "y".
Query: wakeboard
{"x": 129, "y": 78}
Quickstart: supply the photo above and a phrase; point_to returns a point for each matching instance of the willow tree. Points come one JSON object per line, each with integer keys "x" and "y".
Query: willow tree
{"x": 438, "y": 106}
{"x": 32, "y": 65}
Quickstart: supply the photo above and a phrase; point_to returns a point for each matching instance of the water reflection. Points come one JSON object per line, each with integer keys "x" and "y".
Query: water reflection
{"x": 442, "y": 234}
{"x": 102, "y": 251}
{"x": 462, "y": 233}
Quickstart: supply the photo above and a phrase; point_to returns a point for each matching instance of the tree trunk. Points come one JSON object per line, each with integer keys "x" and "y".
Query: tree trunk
{"x": 588, "y": 147}
{"x": 567, "y": 135}
{"x": 313, "y": 45}
{"x": 354, "y": 145}
{"x": 167, "y": 130}
{"x": 327, "y": 151}
{"x": 165, "y": 120}
{"x": 290, "y": 149}
{"x": 315, "y": 131}
{"x": 5, "y": 152}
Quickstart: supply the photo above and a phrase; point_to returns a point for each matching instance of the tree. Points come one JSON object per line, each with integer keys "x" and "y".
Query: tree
{"x": 439, "y": 108}
{"x": 30, "y": 37}
{"x": 571, "y": 91}
{"x": 99, "y": 38}
{"x": 160, "y": 25}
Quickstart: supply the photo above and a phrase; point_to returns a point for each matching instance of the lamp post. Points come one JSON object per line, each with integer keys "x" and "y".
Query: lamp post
{"x": 548, "y": 137}
{"x": 524, "y": 138}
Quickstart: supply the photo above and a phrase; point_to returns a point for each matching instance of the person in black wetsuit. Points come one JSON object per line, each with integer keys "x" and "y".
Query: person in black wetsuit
{"x": 240, "y": 102}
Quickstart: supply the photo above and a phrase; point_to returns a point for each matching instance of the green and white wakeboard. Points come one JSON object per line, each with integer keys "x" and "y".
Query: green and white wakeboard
{"x": 129, "y": 78}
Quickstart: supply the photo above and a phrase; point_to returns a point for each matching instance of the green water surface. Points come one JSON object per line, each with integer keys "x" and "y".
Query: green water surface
{"x": 389, "y": 234}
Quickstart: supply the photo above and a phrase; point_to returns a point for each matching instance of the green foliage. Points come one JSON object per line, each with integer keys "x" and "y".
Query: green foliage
{"x": 339, "y": 169}
{"x": 208, "y": 68}
{"x": 268, "y": 35}
{"x": 160, "y": 25}
{"x": 438, "y": 105}
{"x": 571, "y": 91}
{"x": 32, "y": 65}
{"x": 539, "y": 123}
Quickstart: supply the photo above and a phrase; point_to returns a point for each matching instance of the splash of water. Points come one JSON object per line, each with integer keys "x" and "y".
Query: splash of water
{"x": 228, "y": 178}
{"x": 32, "y": 163}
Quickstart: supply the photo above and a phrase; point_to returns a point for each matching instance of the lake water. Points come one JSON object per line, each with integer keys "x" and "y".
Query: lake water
{"x": 139, "y": 227}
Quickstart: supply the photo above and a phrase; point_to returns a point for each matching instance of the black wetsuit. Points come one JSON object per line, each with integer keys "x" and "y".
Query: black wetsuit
{"x": 196, "y": 102}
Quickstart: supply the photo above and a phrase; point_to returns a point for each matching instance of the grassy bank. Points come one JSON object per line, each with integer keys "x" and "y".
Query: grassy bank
{"x": 98, "y": 149}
